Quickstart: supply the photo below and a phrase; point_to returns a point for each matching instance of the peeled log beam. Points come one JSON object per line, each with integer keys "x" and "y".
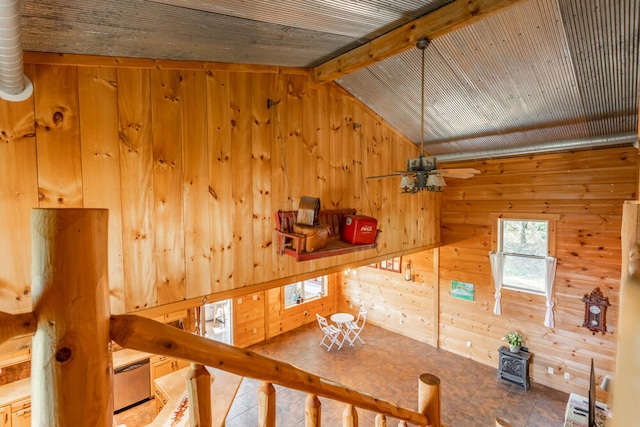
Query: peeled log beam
{"x": 449, "y": 18}
{"x": 15, "y": 325}
{"x": 146, "y": 335}
{"x": 71, "y": 365}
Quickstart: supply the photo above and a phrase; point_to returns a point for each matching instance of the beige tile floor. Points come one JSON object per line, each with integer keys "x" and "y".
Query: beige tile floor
{"x": 388, "y": 367}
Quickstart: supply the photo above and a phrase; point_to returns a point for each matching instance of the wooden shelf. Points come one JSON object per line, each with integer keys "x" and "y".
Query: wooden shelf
{"x": 335, "y": 246}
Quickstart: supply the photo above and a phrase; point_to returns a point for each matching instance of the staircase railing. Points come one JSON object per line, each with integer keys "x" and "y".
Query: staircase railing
{"x": 72, "y": 366}
{"x": 149, "y": 336}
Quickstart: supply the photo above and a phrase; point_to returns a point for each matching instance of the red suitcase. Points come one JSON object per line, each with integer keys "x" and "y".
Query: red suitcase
{"x": 359, "y": 229}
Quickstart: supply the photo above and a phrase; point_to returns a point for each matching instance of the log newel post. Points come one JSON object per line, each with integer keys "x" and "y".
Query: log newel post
{"x": 199, "y": 389}
{"x": 266, "y": 405}
{"x": 350, "y": 416}
{"x": 71, "y": 365}
{"x": 429, "y": 399}
{"x": 626, "y": 386}
{"x": 312, "y": 411}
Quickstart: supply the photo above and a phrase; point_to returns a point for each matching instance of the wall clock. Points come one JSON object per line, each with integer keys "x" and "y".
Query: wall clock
{"x": 595, "y": 311}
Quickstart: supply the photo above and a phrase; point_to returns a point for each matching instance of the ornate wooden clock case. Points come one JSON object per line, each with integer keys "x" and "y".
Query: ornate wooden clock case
{"x": 595, "y": 311}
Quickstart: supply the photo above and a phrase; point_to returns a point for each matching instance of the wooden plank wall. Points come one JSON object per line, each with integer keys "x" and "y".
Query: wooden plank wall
{"x": 405, "y": 307}
{"x": 587, "y": 190}
{"x": 192, "y": 164}
{"x": 279, "y": 319}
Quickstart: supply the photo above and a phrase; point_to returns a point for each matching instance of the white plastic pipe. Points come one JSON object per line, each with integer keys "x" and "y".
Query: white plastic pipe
{"x": 14, "y": 85}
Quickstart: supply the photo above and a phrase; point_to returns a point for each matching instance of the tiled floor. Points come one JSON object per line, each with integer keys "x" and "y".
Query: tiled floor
{"x": 388, "y": 367}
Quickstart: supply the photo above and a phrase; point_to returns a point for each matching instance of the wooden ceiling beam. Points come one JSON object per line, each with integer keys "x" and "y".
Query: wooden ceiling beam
{"x": 447, "y": 19}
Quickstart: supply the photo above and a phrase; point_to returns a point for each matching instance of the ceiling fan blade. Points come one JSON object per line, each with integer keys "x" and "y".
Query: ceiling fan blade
{"x": 395, "y": 173}
{"x": 458, "y": 173}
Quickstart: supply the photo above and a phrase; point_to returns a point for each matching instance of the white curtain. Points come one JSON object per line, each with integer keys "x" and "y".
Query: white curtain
{"x": 548, "y": 288}
{"x": 497, "y": 263}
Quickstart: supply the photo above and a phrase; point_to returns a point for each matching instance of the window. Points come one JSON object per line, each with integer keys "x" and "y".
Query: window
{"x": 393, "y": 264}
{"x": 525, "y": 244}
{"x": 299, "y": 292}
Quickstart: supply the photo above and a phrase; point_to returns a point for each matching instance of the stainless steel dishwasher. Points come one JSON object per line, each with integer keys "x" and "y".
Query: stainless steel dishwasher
{"x": 131, "y": 384}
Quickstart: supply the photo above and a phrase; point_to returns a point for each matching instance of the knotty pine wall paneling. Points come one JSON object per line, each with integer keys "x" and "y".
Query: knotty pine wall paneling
{"x": 195, "y": 158}
{"x": 279, "y": 320}
{"x": 58, "y": 137}
{"x": 241, "y": 172}
{"x": 18, "y": 194}
{"x": 585, "y": 190}
{"x": 248, "y": 319}
{"x": 136, "y": 179}
{"x": 401, "y": 306}
{"x": 220, "y": 180}
{"x": 262, "y": 87}
{"x": 197, "y": 172}
{"x": 166, "y": 102}
{"x": 100, "y": 146}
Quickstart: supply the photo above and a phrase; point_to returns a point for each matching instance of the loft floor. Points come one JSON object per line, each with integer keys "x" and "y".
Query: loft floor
{"x": 388, "y": 367}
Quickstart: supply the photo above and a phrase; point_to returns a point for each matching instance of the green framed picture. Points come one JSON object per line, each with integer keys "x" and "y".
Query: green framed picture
{"x": 462, "y": 290}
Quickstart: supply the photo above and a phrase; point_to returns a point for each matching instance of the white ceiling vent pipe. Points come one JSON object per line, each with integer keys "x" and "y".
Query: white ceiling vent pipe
{"x": 548, "y": 147}
{"x": 14, "y": 85}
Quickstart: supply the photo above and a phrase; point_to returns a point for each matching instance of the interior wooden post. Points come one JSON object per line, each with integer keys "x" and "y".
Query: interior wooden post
{"x": 626, "y": 387}
{"x": 381, "y": 420}
{"x": 71, "y": 365}
{"x": 312, "y": 411}
{"x": 350, "y": 416}
{"x": 429, "y": 399}
{"x": 402, "y": 424}
{"x": 199, "y": 389}
{"x": 266, "y": 405}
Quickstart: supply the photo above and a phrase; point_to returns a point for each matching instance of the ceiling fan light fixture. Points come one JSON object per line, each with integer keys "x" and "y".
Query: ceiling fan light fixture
{"x": 407, "y": 184}
{"x": 435, "y": 183}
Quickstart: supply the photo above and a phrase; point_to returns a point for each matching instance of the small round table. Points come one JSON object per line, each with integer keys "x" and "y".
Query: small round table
{"x": 341, "y": 318}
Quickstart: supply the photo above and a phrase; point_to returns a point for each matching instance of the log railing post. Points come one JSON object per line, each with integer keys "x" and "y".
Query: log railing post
{"x": 429, "y": 398}
{"x": 266, "y": 405}
{"x": 199, "y": 389}
{"x": 626, "y": 383}
{"x": 350, "y": 416}
{"x": 71, "y": 365}
{"x": 402, "y": 424}
{"x": 312, "y": 414}
{"x": 381, "y": 420}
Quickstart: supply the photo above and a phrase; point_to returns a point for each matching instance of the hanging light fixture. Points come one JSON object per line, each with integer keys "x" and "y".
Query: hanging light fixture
{"x": 425, "y": 176}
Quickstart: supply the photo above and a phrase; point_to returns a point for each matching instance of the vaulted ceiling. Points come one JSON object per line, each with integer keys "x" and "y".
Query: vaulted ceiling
{"x": 499, "y": 74}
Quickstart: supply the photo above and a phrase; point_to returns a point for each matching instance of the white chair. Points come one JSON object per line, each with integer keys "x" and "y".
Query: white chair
{"x": 330, "y": 332}
{"x": 352, "y": 329}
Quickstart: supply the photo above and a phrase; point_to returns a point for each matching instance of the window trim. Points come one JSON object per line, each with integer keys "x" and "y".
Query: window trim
{"x": 496, "y": 220}
{"x": 325, "y": 284}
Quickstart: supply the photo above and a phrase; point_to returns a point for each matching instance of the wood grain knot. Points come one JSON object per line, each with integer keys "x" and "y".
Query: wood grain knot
{"x": 63, "y": 354}
{"x": 58, "y": 118}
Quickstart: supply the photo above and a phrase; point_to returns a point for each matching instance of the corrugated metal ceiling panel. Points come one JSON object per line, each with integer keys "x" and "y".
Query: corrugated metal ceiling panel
{"x": 506, "y": 81}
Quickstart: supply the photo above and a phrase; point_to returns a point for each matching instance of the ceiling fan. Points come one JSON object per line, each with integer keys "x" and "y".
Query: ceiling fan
{"x": 422, "y": 172}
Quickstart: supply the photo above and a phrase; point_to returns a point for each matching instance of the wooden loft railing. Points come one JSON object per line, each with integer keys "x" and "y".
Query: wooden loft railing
{"x": 72, "y": 366}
